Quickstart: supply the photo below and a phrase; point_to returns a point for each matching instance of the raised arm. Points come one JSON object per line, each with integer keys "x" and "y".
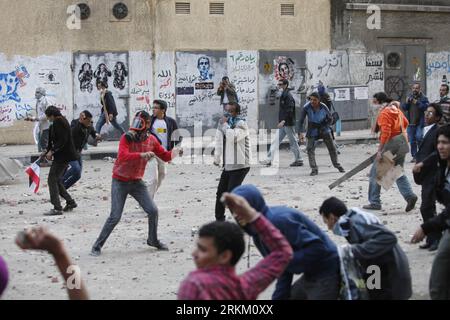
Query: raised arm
{"x": 41, "y": 239}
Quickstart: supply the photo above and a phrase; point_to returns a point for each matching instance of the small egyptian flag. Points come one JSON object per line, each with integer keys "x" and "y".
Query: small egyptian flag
{"x": 33, "y": 172}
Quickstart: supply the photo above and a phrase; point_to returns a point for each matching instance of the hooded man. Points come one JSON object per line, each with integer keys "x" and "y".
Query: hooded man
{"x": 315, "y": 255}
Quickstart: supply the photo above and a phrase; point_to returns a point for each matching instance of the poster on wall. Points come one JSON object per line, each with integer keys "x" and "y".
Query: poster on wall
{"x": 198, "y": 75}
{"x": 361, "y": 93}
{"x": 243, "y": 73}
{"x": 109, "y": 68}
{"x": 342, "y": 94}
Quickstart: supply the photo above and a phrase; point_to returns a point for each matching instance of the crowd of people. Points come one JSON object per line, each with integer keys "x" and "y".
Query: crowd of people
{"x": 289, "y": 241}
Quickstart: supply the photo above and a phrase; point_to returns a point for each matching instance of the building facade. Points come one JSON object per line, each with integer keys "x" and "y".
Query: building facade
{"x": 179, "y": 50}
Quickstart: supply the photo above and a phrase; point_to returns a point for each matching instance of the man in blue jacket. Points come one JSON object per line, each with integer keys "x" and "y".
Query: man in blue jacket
{"x": 315, "y": 255}
{"x": 415, "y": 106}
{"x": 319, "y": 127}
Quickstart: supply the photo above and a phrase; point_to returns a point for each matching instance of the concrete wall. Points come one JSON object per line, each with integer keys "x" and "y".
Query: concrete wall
{"x": 246, "y": 25}
{"x": 414, "y": 24}
{"x": 34, "y": 28}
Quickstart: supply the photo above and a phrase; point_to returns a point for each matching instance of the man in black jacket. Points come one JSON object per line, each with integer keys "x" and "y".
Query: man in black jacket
{"x": 81, "y": 130}
{"x": 62, "y": 150}
{"x": 165, "y": 129}
{"x": 286, "y": 126}
{"x": 427, "y": 176}
{"x": 440, "y": 272}
{"x": 109, "y": 111}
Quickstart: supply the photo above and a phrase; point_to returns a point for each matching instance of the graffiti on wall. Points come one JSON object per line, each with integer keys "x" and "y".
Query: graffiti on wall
{"x": 11, "y": 82}
{"x": 438, "y": 72}
{"x": 197, "y": 79}
{"x": 141, "y": 83}
{"x": 328, "y": 67}
{"x": 439, "y": 64}
{"x": 165, "y": 80}
{"x": 109, "y": 68}
{"x": 19, "y": 79}
{"x": 283, "y": 68}
{"x": 243, "y": 73}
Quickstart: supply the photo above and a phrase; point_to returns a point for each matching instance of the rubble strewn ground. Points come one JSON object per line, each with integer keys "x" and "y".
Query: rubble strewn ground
{"x": 128, "y": 269}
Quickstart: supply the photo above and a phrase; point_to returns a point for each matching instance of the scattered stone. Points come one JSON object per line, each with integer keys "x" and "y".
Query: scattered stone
{"x": 54, "y": 279}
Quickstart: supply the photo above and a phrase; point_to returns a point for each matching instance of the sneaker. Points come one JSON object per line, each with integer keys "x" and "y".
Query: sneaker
{"x": 266, "y": 163}
{"x": 434, "y": 246}
{"x": 54, "y": 212}
{"x": 425, "y": 246}
{"x": 340, "y": 169}
{"x": 297, "y": 163}
{"x": 314, "y": 173}
{"x": 95, "y": 252}
{"x": 372, "y": 206}
{"x": 70, "y": 206}
{"x": 158, "y": 245}
{"x": 411, "y": 203}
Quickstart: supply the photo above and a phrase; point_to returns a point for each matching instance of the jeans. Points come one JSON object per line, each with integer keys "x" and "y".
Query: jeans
{"x": 311, "y": 149}
{"x": 326, "y": 288}
{"x": 399, "y": 147}
{"x": 440, "y": 272}
{"x": 415, "y": 135}
{"x": 73, "y": 173}
{"x": 101, "y": 122}
{"x": 43, "y": 140}
{"x": 156, "y": 170}
{"x": 375, "y": 189}
{"x": 119, "y": 192}
{"x": 55, "y": 185}
{"x": 293, "y": 142}
{"x": 228, "y": 181}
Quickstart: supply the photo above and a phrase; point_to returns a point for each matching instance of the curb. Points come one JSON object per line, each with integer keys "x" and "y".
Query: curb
{"x": 94, "y": 155}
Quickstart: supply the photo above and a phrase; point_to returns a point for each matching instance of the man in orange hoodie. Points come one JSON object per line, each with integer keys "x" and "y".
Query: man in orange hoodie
{"x": 392, "y": 124}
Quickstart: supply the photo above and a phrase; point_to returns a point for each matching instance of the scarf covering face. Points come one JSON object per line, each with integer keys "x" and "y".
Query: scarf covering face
{"x": 3, "y": 275}
{"x": 233, "y": 120}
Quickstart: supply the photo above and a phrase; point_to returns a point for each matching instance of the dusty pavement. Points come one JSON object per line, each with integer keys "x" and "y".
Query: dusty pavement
{"x": 128, "y": 269}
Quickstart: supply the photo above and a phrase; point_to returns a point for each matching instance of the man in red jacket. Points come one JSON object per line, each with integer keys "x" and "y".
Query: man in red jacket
{"x": 136, "y": 147}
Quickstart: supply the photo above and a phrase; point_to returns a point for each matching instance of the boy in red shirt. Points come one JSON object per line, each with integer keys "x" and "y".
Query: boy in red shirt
{"x": 136, "y": 147}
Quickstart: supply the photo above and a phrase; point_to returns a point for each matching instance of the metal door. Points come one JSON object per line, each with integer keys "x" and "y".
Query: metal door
{"x": 404, "y": 65}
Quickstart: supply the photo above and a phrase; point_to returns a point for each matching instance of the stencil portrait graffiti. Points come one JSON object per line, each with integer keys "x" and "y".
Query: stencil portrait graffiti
{"x": 284, "y": 68}
{"x": 203, "y": 66}
{"x": 102, "y": 73}
{"x": 85, "y": 76}
{"x": 120, "y": 74}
